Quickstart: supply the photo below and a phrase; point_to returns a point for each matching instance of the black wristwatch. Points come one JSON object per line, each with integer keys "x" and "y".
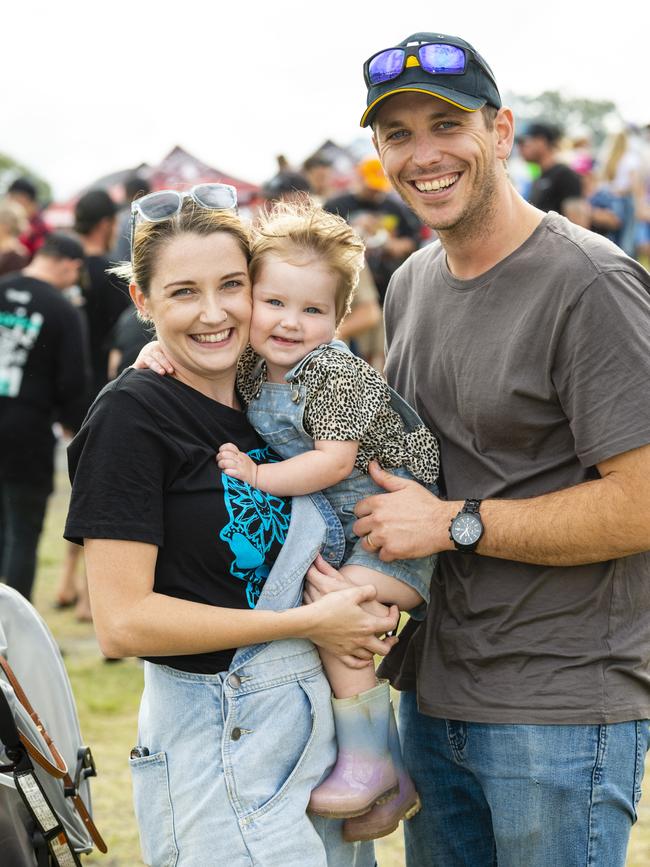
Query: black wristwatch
{"x": 466, "y": 528}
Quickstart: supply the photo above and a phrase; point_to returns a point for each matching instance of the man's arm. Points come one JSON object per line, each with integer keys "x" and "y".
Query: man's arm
{"x": 599, "y": 520}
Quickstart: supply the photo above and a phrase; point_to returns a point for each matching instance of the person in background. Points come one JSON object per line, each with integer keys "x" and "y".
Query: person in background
{"x": 318, "y": 171}
{"x": 391, "y": 233}
{"x": 557, "y": 182}
{"x": 105, "y": 296}
{"x": 286, "y": 186}
{"x": 619, "y": 179}
{"x": 23, "y": 192}
{"x": 130, "y": 334}
{"x": 13, "y": 221}
{"x": 42, "y": 370}
{"x": 134, "y": 187}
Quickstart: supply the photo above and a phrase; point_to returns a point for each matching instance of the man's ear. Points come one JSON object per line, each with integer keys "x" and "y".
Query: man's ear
{"x": 504, "y": 128}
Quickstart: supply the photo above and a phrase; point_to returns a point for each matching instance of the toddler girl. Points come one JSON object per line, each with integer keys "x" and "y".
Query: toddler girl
{"x": 328, "y": 413}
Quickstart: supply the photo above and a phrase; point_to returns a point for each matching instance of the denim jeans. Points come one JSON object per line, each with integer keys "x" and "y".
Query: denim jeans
{"x": 521, "y": 795}
{"x": 22, "y": 510}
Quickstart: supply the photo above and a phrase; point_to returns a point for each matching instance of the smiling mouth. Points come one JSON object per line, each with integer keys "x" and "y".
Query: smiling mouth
{"x": 436, "y": 185}
{"x": 285, "y": 341}
{"x": 219, "y": 337}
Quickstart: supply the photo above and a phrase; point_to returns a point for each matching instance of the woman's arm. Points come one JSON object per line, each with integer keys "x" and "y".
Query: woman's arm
{"x": 327, "y": 464}
{"x": 132, "y": 620}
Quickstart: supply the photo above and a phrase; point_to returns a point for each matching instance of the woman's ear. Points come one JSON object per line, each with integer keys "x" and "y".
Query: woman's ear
{"x": 140, "y": 300}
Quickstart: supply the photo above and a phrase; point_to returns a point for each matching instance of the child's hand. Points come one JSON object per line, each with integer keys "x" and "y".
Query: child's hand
{"x": 237, "y": 464}
{"x": 151, "y": 356}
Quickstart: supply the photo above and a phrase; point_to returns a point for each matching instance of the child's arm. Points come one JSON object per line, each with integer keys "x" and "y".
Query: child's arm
{"x": 329, "y": 462}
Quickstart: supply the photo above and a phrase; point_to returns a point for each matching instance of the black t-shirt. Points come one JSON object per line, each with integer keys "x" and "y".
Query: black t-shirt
{"x": 130, "y": 334}
{"x": 550, "y": 190}
{"x": 105, "y": 297}
{"x": 389, "y": 217}
{"x": 143, "y": 469}
{"x": 42, "y": 371}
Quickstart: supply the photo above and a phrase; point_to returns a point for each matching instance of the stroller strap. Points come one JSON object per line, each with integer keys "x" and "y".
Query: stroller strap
{"x": 60, "y": 769}
{"x": 51, "y": 832}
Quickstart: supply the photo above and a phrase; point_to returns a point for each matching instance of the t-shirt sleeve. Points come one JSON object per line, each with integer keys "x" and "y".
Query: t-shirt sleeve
{"x": 602, "y": 368}
{"x": 344, "y": 400}
{"x": 118, "y": 464}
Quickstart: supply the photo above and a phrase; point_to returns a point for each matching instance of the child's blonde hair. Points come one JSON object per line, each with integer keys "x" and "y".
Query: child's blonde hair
{"x": 303, "y": 227}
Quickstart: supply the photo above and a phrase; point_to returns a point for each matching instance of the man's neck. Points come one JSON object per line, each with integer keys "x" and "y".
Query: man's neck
{"x": 38, "y": 271}
{"x": 511, "y": 222}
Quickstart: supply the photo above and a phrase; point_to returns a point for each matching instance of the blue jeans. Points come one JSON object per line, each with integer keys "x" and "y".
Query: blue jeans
{"x": 521, "y": 795}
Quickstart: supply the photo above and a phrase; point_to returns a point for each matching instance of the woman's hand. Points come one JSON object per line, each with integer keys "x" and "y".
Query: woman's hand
{"x": 237, "y": 464}
{"x": 152, "y": 356}
{"x": 341, "y": 624}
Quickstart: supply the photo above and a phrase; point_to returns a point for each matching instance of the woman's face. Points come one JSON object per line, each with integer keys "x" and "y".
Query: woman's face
{"x": 200, "y": 302}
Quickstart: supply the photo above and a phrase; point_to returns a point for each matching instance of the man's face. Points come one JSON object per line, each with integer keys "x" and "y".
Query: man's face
{"x": 66, "y": 273}
{"x": 533, "y": 148}
{"x": 440, "y": 159}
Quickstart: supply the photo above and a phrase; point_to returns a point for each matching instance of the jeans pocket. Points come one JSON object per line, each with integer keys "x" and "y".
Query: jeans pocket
{"x": 272, "y": 760}
{"x": 153, "y": 810}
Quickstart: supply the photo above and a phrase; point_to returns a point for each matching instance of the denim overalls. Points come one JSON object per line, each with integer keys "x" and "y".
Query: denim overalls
{"x": 234, "y": 756}
{"x": 277, "y": 411}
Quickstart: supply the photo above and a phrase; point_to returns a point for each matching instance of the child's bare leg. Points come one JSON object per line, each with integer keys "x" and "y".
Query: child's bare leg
{"x": 345, "y": 681}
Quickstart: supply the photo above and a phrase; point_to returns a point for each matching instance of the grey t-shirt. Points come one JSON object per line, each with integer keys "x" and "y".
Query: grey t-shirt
{"x": 531, "y": 374}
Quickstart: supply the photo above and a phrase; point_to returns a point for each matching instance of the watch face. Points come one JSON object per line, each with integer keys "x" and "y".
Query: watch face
{"x": 466, "y": 529}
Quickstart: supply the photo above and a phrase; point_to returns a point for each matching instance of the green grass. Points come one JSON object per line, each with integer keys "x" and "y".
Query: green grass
{"x": 107, "y": 696}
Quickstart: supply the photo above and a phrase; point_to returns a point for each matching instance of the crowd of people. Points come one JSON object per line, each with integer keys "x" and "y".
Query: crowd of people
{"x": 494, "y": 484}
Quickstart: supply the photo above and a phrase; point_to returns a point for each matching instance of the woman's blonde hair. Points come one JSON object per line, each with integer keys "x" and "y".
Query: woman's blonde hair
{"x": 151, "y": 237}
{"x": 302, "y": 227}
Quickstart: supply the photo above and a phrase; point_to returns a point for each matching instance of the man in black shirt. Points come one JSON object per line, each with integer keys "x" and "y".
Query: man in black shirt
{"x": 42, "y": 370}
{"x": 390, "y": 230}
{"x": 105, "y": 296}
{"x": 557, "y": 182}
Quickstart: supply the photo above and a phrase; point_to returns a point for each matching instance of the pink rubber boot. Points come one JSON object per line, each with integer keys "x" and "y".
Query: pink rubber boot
{"x": 364, "y": 773}
{"x": 383, "y": 819}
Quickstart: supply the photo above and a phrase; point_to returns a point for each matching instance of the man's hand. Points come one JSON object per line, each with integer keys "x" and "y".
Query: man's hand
{"x": 237, "y": 464}
{"x": 404, "y": 523}
{"x": 152, "y": 356}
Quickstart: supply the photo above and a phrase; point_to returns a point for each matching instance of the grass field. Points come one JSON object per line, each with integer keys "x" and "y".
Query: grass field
{"x": 107, "y": 699}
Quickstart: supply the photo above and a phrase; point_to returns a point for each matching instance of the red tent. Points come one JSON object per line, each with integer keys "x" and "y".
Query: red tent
{"x": 178, "y": 170}
{"x": 181, "y": 169}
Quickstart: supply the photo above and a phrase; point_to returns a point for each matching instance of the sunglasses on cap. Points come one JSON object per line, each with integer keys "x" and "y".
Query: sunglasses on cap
{"x": 165, "y": 204}
{"x": 436, "y": 58}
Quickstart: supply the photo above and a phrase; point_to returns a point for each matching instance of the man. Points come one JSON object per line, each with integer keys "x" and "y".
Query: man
{"x": 105, "y": 296}
{"x": 389, "y": 229}
{"x": 524, "y": 342}
{"x": 23, "y": 192}
{"x": 42, "y": 370}
{"x": 557, "y": 183}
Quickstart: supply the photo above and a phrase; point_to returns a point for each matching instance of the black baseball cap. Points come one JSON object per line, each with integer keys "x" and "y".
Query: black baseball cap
{"x": 540, "y": 129}
{"x": 470, "y": 90}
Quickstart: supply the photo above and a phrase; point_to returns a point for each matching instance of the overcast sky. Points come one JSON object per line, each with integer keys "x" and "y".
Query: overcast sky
{"x": 87, "y": 88}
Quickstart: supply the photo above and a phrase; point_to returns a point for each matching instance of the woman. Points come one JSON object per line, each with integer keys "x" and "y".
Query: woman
{"x": 199, "y": 574}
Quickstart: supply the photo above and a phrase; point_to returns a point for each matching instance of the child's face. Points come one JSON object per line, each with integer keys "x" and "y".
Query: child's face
{"x": 294, "y": 311}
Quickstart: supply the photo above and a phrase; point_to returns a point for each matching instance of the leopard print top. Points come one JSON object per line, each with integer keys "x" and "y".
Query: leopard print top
{"x": 347, "y": 399}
